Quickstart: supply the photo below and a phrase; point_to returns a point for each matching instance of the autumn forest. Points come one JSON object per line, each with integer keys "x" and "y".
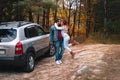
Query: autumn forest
{"x": 85, "y": 17}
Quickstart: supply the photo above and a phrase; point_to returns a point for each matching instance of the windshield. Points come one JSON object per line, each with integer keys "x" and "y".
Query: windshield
{"x": 7, "y": 35}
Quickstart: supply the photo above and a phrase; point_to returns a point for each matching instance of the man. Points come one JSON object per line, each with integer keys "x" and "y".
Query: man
{"x": 57, "y": 39}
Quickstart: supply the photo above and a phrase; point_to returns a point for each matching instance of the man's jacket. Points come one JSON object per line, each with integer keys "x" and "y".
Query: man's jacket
{"x": 53, "y": 34}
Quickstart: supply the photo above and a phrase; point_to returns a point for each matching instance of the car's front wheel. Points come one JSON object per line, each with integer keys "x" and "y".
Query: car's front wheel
{"x": 51, "y": 50}
{"x": 30, "y": 63}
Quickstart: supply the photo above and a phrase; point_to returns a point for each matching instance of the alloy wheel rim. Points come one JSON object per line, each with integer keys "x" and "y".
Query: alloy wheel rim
{"x": 52, "y": 50}
{"x": 31, "y": 62}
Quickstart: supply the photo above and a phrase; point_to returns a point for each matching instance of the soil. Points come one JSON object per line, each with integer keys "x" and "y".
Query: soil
{"x": 102, "y": 60}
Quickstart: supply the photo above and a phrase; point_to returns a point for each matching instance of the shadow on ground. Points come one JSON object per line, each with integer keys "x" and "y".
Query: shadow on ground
{"x": 12, "y": 68}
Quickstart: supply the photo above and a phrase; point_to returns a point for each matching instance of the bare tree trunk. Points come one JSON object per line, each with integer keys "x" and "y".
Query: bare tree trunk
{"x": 105, "y": 14}
{"x": 69, "y": 16}
{"x": 63, "y": 5}
{"x": 74, "y": 20}
{"x": 69, "y": 13}
{"x": 79, "y": 16}
{"x": 30, "y": 16}
{"x": 38, "y": 17}
{"x": 47, "y": 18}
{"x": 43, "y": 20}
{"x": 88, "y": 17}
{"x": 1, "y": 9}
{"x": 55, "y": 14}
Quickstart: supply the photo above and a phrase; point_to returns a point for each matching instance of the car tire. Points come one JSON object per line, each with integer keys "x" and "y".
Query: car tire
{"x": 51, "y": 51}
{"x": 30, "y": 63}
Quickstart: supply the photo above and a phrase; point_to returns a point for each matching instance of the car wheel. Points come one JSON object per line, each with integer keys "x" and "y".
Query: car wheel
{"x": 30, "y": 63}
{"x": 52, "y": 50}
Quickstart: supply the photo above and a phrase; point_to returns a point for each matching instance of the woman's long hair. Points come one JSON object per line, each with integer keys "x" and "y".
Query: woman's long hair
{"x": 64, "y": 22}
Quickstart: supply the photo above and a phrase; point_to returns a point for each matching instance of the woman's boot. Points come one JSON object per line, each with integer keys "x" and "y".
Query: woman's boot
{"x": 73, "y": 54}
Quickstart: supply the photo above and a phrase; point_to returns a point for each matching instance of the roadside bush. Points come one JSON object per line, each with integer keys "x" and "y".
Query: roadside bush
{"x": 113, "y": 27}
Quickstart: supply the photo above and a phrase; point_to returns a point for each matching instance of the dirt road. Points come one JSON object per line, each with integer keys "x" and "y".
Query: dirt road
{"x": 103, "y": 62}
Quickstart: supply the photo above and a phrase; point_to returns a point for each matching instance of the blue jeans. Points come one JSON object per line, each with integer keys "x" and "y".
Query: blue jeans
{"x": 59, "y": 50}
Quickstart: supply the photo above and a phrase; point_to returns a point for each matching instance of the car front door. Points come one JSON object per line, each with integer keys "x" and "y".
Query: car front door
{"x": 43, "y": 39}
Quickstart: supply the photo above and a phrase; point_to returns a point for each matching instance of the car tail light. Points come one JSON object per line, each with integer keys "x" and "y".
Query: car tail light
{"x": 19, "y": 48}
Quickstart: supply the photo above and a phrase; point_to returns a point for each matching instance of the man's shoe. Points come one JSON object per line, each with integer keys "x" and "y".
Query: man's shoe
{"x": 60, "y": 61}
{"x": 57, "y": 62}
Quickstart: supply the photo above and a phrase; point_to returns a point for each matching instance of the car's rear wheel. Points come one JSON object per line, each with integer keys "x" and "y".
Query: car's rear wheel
{"x": 30, "y": 63}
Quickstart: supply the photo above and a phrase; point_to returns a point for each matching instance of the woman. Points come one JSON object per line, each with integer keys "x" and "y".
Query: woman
{"x": 66, "y": 37}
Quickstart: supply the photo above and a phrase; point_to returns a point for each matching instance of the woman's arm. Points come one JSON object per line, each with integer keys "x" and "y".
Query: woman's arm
{"x": 59, "y": 28}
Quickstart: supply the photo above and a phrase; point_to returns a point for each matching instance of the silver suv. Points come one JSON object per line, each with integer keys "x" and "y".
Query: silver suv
{"x": 22, "y": 42}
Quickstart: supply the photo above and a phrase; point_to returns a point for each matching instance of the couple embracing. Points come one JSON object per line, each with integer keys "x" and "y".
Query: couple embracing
{"x": 60, "y": 38}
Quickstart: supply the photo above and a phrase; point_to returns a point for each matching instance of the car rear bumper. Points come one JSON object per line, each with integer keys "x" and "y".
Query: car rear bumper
{"x": 18, "y": 60}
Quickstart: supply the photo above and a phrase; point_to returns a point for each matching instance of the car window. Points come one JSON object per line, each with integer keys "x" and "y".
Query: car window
{"x": 7, "y": 35}
{"x": 31, "y": 32}
{"x": 39, "y": 30}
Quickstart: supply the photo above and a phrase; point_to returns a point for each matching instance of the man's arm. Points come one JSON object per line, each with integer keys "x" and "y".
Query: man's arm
{"x": 51, "y": 35}
{"x": 58, "y": 28}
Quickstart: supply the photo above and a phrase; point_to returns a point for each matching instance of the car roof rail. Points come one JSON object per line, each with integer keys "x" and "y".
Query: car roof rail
{"x": 4, "y": 23}
{"x": 22, "y": 23}
{"x": 15, "y": 23}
